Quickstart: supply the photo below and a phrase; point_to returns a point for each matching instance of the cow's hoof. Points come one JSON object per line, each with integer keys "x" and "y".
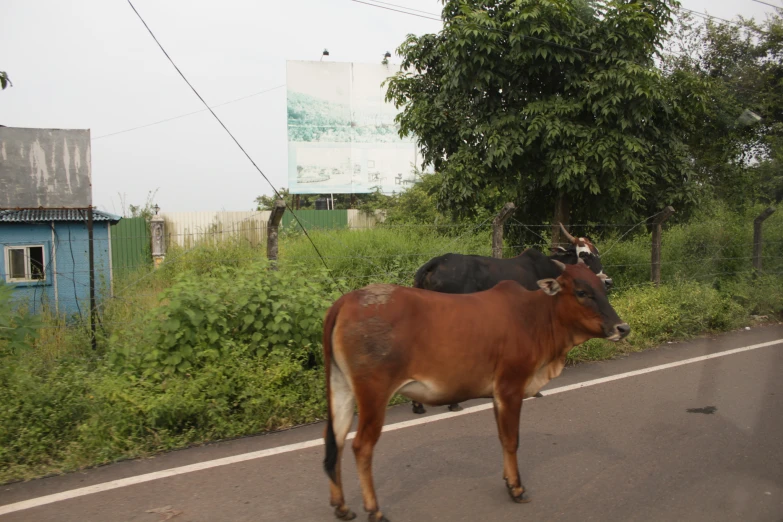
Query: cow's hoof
{"x": 538, "y": 395}
{"x": 455, "y": 407}
{"x": 521, "y": 498}
{"x": 418, "y": 409}
{"x": 344, "y": 513}
{"x": 377, "y": 517}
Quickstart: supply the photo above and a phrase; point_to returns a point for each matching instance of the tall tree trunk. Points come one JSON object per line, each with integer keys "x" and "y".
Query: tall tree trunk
{"x": 562, "y": 215}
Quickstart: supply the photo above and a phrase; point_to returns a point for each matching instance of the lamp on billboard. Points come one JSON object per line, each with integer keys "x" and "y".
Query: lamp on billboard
{"x": 342, "y": 137}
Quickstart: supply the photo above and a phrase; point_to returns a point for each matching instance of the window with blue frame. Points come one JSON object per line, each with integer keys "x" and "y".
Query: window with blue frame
{"x": 25, "y": 264}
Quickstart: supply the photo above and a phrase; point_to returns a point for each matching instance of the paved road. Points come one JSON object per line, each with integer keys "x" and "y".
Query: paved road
{"x": 640, "y": 448}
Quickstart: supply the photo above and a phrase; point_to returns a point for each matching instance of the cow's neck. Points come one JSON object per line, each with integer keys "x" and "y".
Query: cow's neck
{"x": 548, "y": 326}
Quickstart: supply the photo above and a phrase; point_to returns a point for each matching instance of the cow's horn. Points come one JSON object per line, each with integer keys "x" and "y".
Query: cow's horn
{"x": 559, "y": 264}
{"x": 568, "y": 236}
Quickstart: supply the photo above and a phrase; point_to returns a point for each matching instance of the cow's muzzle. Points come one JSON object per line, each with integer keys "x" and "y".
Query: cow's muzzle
{"x": 620, "y": 331}
{"x": 606, "y": 280}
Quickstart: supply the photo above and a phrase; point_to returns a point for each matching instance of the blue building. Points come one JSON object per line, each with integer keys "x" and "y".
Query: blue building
{"x": 45, "y": 257}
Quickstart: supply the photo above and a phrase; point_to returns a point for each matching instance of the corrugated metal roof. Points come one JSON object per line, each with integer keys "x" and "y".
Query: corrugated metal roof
{"x": 29, "y": 216}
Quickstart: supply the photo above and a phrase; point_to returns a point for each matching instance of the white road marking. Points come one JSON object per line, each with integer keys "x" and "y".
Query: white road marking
{"x": 660, "y": 367}
{"x": 147, "y": 477}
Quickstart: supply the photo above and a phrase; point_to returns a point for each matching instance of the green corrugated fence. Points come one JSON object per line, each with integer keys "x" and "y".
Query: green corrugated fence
{"x": 130, "y": 245}
{"x": 318, "y": 219}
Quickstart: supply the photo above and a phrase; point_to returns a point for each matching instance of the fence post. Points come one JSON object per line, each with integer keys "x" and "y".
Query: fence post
{"x": 757, "y": 239}
{"x": 497, "y": 229}
{"x": 655, "y": 273}
{"x": 271, "y": 231}
{"x": 91, "y": 264}
{"x": 158, "y": 233}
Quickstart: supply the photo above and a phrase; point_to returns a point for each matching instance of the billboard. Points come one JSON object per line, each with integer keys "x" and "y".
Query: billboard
{"x": 341, "y": 133}
{"x": 45, "y": 168}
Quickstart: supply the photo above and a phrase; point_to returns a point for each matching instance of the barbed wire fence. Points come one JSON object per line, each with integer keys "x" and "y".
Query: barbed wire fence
{"x": 398, "y": 250}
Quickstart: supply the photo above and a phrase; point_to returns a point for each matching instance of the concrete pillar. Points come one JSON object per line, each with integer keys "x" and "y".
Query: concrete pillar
{"x": 158, "y": 231}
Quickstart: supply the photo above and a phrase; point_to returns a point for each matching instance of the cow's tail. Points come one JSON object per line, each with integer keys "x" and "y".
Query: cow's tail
{"x": 330, "y": 460}
{"x": 420, "y": 279}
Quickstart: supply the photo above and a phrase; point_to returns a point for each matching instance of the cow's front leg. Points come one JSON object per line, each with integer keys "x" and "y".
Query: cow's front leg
{"x": 507, "y": 410}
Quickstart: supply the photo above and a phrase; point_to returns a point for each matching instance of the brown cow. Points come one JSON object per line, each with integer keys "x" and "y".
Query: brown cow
{"x": 505, "y": 343}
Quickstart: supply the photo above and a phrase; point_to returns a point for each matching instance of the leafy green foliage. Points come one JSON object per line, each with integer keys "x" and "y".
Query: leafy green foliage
{"x": 17, "y": 329}
{"x": 675, "y": 311}
{"x": 526, "y": 100}
{"x": 41, "y": 407}
{"x": 740, "y": 65}
{"x": 80, "y": 412}
{"x": 279, "y": 313}
{"x": 5, "y": 81}
{"x": 418, "y": 205}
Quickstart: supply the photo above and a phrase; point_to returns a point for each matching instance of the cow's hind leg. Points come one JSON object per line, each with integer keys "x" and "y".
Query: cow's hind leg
{"x": 455, "y": 407}
{"x": 507, "y": 411}
{"x": 372, "y": 401}
{"x": 341, "y": 409}
{"x": 418, "y": 408}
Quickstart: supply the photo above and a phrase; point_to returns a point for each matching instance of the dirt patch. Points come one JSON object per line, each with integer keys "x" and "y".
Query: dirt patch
{"x": 377, "y": 294}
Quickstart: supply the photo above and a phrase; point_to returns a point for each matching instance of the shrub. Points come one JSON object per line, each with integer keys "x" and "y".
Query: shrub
{"x": 41, "y": 408}
{"x": 279, "y": 313}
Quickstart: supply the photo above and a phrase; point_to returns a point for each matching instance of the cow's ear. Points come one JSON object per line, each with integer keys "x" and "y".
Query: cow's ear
{"x": 549, "y": 286}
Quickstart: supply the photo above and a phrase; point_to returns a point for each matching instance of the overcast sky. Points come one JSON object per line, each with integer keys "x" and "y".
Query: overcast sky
{"x": 91, "y": 64}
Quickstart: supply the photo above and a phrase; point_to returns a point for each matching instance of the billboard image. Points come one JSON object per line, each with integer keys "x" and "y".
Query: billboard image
{"x": 341, "y": 132}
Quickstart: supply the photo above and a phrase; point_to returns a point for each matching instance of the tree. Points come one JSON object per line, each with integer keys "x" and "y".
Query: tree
{"x": 735, "y": 154}
{"x": 417, "y": 205}
{"x": 5, "y": 81}
{"x": 550, "y": 104}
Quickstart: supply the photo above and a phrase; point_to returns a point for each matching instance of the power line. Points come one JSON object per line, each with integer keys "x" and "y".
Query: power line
{"x": 189, "y": 113}
{"x": 508, "y": 33}
{"x": 771, "y": 5}
{"x": 397, "y": 10}
{"x": 709, "y": 16}
{"x": 703, "y": 15}
{"x": 229, "y": 133}
{"x": 406, "y": 8}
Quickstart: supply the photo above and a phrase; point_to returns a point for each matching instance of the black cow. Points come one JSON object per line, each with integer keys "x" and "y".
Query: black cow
{"x": 465, "y": 274}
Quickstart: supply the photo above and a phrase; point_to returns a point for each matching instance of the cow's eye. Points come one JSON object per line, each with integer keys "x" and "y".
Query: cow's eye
{"x": 581, "y": 293}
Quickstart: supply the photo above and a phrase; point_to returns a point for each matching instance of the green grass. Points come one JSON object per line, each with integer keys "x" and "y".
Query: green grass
{"x": 386, "y": 254}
